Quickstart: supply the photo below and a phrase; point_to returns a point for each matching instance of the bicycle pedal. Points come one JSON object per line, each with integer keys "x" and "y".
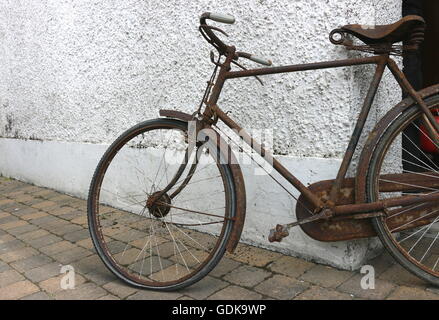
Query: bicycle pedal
{"x": 278, "y": 233}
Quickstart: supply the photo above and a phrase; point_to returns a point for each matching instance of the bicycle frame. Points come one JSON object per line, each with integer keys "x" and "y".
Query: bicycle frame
{"x": 381, "y": 61}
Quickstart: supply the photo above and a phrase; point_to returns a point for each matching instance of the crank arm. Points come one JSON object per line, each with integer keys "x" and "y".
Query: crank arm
{"x": 282, "y": 230}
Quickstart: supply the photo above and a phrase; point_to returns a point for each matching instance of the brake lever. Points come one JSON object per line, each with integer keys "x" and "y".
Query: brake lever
{"x": 244, "y": 68}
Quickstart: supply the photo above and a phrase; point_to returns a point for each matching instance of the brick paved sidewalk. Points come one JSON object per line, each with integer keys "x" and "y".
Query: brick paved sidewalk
{"x": 41, "y": 230}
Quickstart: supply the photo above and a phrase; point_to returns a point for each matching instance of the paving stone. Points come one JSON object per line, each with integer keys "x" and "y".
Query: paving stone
{"x": 59, "y": 211}
{"x": 35, "y": 215}
{"x": 57, "y": 247}
{"x": 37, "y": 296}
{"x": 7, "y": 219}
{"x": 77, "y": 235}
{"x": 71, "y": 255}
{"x": 407, "y": 293}
{"x": 10, "y": 245}
{"x": 45, "y": 193}
{"x": 32, "y": 235}
{"x": 80, "y": 220}
{"x": 204, "y": 288}
{"x": 397, "y": 274}
{"x": 6, "y": 201}
{"x": 86, "y": 243}
{"x": 119, "y": 288}
{"x": 53, "y": 284}
{"x": 22, "y": 229}
{"x": 52, "y": 194}
{"x": 8, "y": 277}
{"x": 101, "y": 277}
{"x": 290, "y": 266}
{"x": 44, "y": 204}
{"x": 235, "y": 293}
{"x": 44, "y": 241}
{"x": 6, "y": 238}
{"x": 109, "y": 297}
{"x": 64, "y": 229}
{"x": 225, "y": 266}
{"x": 17, "y": 290}
{"x": 44, "y": 272}
{"x": 382, "y": 263}
{"x": 31, "y": 201}
{"x": 253, "y": 256}
{"x": 71, "y": 215}
{"x": 281, "y": 287}
{"x": 30, "y": 189}
{"x": 4, "y": 266}
{"x": 4, "y": 214}
{"x": 31, "y": 263}
{"x": 90, "y": 264}
{"x": 38, "y": 218}
{"x": 48, "y": 222}
{"x": 13, "y": 224}
{"x": 18, "y": 254}
{"x": 325, "y": 276}
{"x": 23, "y": 210}
{"x": 86, "y": 291}
{"x": 319, "y": 293}
{"x": 353, "y": 286}
{"x": 154, "y": 295}
{"x": 247, "y": 276}
{"x": 434, "y": 290}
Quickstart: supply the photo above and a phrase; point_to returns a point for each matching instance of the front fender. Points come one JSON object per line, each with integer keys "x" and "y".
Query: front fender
{"x": 238, "y": 178}
{"x": 374, "y": 136}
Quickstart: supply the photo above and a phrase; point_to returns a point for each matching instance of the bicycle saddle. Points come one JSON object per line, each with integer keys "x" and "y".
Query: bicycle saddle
{"x": 390, "y": 33}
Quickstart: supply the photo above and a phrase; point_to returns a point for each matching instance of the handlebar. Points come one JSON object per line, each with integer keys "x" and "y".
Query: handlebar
{"x": 209, "y": 35}
{"x": 254, "y": 58}
{"x": 223, "y": 18}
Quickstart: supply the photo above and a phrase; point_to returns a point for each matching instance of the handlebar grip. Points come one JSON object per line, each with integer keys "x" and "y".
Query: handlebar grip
{"x": 223, "y": 18}
{"x": 260, "y": 60}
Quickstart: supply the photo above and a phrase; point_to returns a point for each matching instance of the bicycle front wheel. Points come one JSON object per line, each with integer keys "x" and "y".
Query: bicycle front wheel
{"x": 405, "y": 163}
{"x": 159, "y": 214}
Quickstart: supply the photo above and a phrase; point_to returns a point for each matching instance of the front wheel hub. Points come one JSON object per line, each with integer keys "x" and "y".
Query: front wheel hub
{"x": 159, "y": 207}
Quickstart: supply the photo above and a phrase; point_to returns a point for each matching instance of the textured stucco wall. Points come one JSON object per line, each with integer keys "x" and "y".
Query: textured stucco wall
{"x": 80, "y": 72}
{"x": 75, "y": 70}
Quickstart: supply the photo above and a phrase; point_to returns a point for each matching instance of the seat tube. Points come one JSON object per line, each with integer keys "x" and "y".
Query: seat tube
{"x": 381, "y": 64}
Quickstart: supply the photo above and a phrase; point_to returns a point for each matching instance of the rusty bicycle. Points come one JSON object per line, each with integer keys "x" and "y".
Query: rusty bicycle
{"x": 168, "y": 199}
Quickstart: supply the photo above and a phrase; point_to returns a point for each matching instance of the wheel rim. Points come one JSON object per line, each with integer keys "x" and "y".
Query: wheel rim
{"x": 182, "y": 233}
{"x": 415, "y": 236}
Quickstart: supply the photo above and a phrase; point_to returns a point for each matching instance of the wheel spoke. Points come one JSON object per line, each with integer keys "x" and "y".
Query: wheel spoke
{"x": 165, "y": 242}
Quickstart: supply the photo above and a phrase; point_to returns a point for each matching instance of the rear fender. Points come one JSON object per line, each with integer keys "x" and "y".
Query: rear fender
{"x": 375, "y": 135}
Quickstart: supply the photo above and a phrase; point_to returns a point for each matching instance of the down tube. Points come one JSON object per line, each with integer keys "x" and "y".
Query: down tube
{"x": 262, "y": 152}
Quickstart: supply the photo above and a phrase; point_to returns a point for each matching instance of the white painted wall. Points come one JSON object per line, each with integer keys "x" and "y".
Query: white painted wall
{"x": 82, "y": 72}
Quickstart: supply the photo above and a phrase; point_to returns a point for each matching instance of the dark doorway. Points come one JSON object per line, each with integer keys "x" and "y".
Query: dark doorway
{"x": 430, "y": 50}
{"x": 422, "y": 70}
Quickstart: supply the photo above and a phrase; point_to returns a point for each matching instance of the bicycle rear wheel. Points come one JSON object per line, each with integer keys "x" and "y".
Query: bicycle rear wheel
{"x": 160, "y": 215}
{"x": 401, "y": 166}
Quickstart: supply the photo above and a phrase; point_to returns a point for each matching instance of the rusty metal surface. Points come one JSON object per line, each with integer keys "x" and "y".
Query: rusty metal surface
{"x": 358, "y": 226}
{"x": 374, "y": 136}
{"x": 333, "y": 230}
{"x": 381, "y": 39}
{"x": 238, "y": 179}
{"x": 347, "y": 201}
{"x": 176, "y": 115}
{"x": 356, "y": 134}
